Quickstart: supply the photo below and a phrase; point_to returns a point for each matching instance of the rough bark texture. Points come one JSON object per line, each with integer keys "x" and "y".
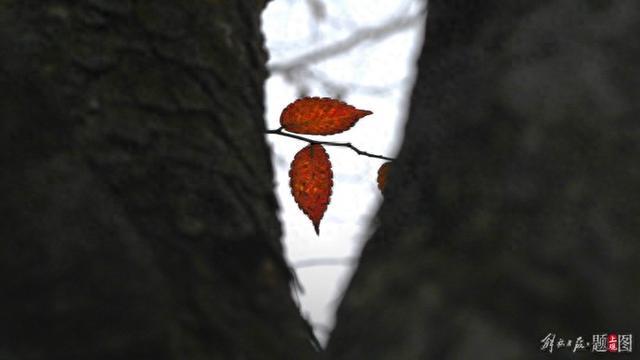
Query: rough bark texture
{"x": 514, "y": 207}
{"x": 137, "y": 218}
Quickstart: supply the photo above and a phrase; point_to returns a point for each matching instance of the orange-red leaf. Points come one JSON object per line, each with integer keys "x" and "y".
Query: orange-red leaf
{"x": 320, "y": 116}
{"x": 382, "y": 175}
{"x": 311, "y": 180}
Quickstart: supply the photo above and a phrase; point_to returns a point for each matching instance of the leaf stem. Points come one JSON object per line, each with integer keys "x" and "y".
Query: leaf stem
{"x": 279, "y": 131}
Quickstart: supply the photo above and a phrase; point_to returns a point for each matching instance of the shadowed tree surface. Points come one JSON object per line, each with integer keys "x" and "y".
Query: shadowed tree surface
{"x": 513, "y": 209}
{"x": 137, "y": 218}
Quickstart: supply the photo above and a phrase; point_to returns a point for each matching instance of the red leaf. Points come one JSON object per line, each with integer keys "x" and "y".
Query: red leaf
{"x": 311, "y": 180}
{"x": 382, "y": 175}
{"x": 320, "y": 116}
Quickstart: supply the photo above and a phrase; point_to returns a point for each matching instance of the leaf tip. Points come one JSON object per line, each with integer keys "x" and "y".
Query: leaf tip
{"x": 316, "y": 227}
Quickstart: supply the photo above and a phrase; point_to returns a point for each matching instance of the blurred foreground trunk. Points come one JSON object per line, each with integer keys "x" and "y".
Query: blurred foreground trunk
{"x": 137, "y": 216}
{"x": 513, "y": 210}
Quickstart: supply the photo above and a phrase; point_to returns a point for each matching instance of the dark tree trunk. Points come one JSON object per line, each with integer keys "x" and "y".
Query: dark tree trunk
{"x": 513, "y": 210}
{"x": 137, "y": 212}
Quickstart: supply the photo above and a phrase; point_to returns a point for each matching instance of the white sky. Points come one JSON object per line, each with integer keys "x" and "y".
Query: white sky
{"x": 383, "y": 74}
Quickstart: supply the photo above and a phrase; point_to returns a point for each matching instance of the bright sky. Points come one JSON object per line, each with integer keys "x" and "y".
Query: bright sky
{"x": 379, "y": 77}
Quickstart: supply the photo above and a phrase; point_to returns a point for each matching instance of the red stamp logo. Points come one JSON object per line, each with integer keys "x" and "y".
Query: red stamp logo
{"x": 612, "y": 341}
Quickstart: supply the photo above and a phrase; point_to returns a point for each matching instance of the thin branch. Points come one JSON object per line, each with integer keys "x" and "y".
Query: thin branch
{"x": 347, "y": 261}
{"x": 341, "y": 87}
{"x": 358, "y": 37}
{"x": 322, "y": 327}
{"x": 279, "y": 131}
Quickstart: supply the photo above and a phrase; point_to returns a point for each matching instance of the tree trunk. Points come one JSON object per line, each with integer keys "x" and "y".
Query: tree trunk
{"x": 513, "y": 210}
{"x": 138, "y": 218}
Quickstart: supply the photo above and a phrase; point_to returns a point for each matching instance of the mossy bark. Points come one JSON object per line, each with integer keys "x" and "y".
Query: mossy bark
{"x": 138, "y": 218}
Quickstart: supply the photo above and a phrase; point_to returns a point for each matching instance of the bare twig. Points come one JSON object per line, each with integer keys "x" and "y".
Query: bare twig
{"x": 279, "y": 131}
{"x": 347, "y": 261}
{"x": 321, "y": 327}
{"x": 358, "y": 37}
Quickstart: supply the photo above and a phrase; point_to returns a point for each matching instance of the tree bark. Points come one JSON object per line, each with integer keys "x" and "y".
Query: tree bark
{"x": 513, "y": 208}
{"x": 138, "y": 218}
